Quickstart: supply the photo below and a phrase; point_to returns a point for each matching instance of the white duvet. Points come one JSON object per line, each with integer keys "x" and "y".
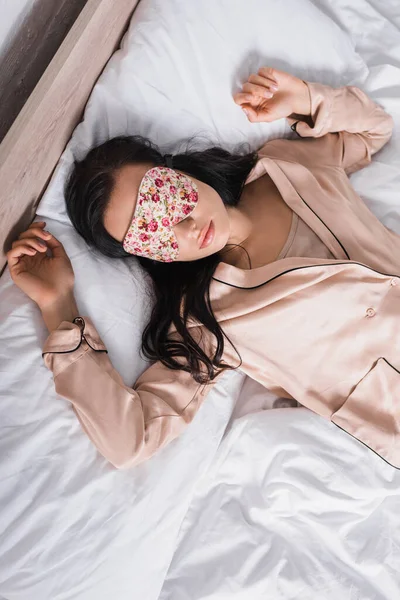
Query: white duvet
{"x": 247, "y": 503}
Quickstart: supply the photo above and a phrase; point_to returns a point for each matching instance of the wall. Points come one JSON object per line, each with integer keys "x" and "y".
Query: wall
{"x": 12, "y": 15}
{"x": 30, "y": 33}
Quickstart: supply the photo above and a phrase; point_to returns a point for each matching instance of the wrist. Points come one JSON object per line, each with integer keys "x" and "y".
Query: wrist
{"x": 62, "y": 309}
{"x": 303, "y": 101}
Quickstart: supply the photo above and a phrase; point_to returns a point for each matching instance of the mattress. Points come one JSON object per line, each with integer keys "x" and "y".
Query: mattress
{"x": 248, "y": 502}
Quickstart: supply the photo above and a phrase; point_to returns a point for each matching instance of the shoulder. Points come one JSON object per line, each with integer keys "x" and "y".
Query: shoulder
{"x": 296, "y": 150}
{"x": 313, "y": 153}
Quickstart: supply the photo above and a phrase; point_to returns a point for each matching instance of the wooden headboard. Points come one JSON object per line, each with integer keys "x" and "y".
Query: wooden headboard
{"x": 38, "y": 136}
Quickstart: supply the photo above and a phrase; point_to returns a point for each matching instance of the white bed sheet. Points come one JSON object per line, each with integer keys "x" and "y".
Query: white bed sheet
{"x": 269, "y": 488}
{"x": 314, "y": 514}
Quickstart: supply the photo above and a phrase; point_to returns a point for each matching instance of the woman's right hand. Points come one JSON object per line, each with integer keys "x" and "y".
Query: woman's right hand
{"x": 43, "y": 278}
{"x": 272, "y": 94}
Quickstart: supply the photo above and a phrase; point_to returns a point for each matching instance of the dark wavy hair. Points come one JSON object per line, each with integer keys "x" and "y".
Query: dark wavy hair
{"x": 181, "y": 287}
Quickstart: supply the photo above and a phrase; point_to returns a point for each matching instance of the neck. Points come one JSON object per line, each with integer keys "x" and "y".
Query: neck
{"x": 240, "y": 230}
{"x": 259, "y": 224}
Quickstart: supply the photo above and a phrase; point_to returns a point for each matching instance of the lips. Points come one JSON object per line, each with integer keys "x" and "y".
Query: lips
{"x": 204, "y": 233}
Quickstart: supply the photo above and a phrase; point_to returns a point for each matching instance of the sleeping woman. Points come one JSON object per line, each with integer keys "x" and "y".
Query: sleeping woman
{"x": 268, "y": 262}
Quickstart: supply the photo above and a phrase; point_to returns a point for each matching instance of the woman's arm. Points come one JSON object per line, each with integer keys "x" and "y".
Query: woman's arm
{"x": 340, "y": 127}
{"x": 127, "y": 425}
{"x": 347, "y": 128}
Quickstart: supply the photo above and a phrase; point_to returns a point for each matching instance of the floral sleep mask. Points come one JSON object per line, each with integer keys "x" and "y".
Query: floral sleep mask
{"x": 165, "y": 198}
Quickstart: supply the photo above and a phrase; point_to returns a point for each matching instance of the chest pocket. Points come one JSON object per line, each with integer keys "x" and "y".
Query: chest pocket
{"x": 371, "y": 413}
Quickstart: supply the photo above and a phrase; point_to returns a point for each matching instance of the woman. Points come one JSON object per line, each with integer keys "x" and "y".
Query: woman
{"x": 270, "y": 263}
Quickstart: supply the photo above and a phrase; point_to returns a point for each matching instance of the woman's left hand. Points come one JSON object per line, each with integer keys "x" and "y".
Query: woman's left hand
{"x": 272, "y": 95}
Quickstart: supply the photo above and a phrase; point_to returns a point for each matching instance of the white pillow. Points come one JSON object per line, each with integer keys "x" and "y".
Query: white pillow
{"x": 181, "y": 61}
{"x": 173, "y": 78}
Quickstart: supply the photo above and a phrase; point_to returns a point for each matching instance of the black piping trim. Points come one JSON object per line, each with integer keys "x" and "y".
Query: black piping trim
{"x": 356, "y": 438}
{"x": 390, "y": 364}
{"x": 95, "y": 349}
{"x": 338, "y": 241}
{"x": 307, "y": 267}
{"x": 65, "y": 351}
{"x": 68, "y": 351}
{"x": 294, "y": 128}
{"x": 294, "y": 269}
{"x": 369, "y": 447}
{"x": 74, "y": 349}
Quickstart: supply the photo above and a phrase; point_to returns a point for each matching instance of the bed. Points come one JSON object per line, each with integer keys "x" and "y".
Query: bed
{"x": 250, "y": 501}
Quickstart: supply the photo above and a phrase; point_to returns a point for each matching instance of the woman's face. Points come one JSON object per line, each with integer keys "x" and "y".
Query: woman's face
{"x": 209, "y": 215}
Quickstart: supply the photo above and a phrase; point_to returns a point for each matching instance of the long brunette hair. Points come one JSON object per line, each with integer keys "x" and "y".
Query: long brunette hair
{"x": 181, "y": 288}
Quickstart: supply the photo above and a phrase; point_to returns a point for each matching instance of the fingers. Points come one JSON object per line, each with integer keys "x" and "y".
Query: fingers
{"x": 258, "y": 116}
{"x": 244, "y": 101}
{"x": 264, "y": 82}
{"x": 252, "y": 93}
{"x": 32, "y": 243}
{"x": 36, "y": 229}
{"x": 259, "y": 86}
{"x": 27, "y": 239}
{"x": 17, "y": 252}
{"x": 56, "y": 247}
{"x": 252, "y": 115}
{"x": 257, "y": 90}
{"x": 45, "y": 235}
{"x": 38, "y": 223}
{"x": 267, "y": 72}
{"x": 26, "y": 244}
{"x": 243, "y": 98}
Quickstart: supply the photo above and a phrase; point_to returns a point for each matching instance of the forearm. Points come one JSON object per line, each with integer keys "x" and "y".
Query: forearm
{"x": 302, "y": 108}
{"x": 351, "y": 125}
{"x": 127, "y": 425}
{"x": 62, "y": 309}
{"x": 346, "y": 108}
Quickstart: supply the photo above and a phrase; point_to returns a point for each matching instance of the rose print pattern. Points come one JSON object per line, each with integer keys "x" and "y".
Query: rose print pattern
{"x": 165, "y": 198}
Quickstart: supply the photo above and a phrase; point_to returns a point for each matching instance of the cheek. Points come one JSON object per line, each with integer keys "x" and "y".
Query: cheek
{"x": 187, "y": 245}
{"x": 209, "y": 206}
{"x": 221, "y": 222}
